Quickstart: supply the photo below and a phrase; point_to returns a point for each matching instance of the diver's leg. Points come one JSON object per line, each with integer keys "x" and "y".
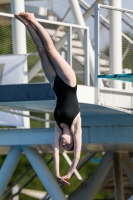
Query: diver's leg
{"x": 63, "y": 69}
{"x": 47, "y": 65}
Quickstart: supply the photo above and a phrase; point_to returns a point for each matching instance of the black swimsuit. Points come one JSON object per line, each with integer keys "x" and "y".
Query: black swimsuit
{"x": 67, "y": 106}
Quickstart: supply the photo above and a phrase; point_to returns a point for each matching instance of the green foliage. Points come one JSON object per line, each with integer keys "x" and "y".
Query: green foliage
{"x": 5, "y": 40}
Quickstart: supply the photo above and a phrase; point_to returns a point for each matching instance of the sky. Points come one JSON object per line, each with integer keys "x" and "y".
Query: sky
{"x": 128, "y": 4}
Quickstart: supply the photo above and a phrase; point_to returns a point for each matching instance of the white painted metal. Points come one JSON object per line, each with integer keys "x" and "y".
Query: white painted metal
{"x": 58, "y": 29}
{"x": 77, "y": 174}
{"x": 80, "y": 20}
{"x": 47, "y": 125}
{"x": 19, "y": 41}
{"x": 44, "y": 173}
{"x": 85, "y": 3}
{"x": 97, "y": 42}
{"x": 116, "y": 8}
{"x": 8, "y": 167}
{"x": 50, "y": 21}
{"x": 15, "y": 189}
{"x": 115, "y": 43}
{"x": 119, "y": 193}
{"x": 75, "y": 7}
{"x": 90, "y": 11}
{"x": 87, "y": 58}
{"x": 29, "y": 116}
{"x": 69, "y": 46}
{"x": 99, "y": 176}
{"x": 128, "y": 85}
{"x": 18, "y": 34}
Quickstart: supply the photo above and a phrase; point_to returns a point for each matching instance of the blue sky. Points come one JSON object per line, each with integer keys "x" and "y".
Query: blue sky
{"x": 128, "y": 4}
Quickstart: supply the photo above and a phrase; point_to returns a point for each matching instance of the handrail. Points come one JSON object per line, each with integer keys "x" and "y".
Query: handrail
{"x": 49, "y": 21}
{"x": 115, "y": 8}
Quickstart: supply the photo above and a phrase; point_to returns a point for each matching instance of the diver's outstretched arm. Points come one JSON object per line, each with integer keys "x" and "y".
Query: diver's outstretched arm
{"x": 56, "y": 147}
{"x": 77, "y": 150}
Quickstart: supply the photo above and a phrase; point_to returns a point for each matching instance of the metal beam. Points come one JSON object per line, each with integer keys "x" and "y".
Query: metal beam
{"x": 77, "y": 174}
{"x": 8, "y": 167}
{"x": 128, "y": 166}
{"x": 41, "y": 168}
{"x": 69, "y": 46}
{"x": 94, "y": 138}
{"x": 26, "y": 137}
{"x": 115, "y": 58}
{"x": 119, "y": 193}
{"x": 90, "y": 11}
{"x": 91, "y": 186}
{"x": 99, "y": 176}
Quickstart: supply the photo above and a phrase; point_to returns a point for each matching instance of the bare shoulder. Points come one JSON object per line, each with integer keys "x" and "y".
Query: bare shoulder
{"x": 57, "y": 136}
{"x": 57, "y": 129}
{"x": 76, "y": 125}
{"x": 77, "y": 120}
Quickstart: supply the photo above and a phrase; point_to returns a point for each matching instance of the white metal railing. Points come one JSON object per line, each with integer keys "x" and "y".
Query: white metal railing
{"x": 69, "y": 42}
{"x": 112, "y": 97}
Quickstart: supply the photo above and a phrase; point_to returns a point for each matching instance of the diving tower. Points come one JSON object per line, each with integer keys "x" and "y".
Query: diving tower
{"x": 104, "y": 130}
{"x": 107, "y": 124}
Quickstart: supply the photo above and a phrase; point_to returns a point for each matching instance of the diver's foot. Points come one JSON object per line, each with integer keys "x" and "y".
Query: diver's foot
{"x": 28, "y": 16}
{"x": 21, "y": 19}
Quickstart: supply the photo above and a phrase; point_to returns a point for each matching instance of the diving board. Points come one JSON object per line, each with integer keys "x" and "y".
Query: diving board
{"x": 121, "y": 77}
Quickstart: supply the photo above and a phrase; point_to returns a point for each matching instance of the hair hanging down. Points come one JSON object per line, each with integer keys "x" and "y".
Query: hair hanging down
{"x": 71, "y": 148}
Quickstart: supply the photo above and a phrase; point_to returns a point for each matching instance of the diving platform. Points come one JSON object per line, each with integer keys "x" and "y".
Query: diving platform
{"x": 103, "y": 128}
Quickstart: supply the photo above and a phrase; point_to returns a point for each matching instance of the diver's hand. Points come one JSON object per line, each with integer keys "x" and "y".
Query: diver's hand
{"x": 66, "y": 177}
{"x": 62, "y": 181}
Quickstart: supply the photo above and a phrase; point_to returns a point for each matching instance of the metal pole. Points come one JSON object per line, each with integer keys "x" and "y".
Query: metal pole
{"x": 15, "y": 189}
{"x": 19, "y": 42}
{"x": 69, "y": 46}
{"x": 44, "y": 173}
{"x": 99, "y": 176}
{"x": 78, "y": 17}
{"x": 115, "y": 43}
{"x": 8, "y": 167}
{"x": 77, "y": 174}
{"x": 86, "y": 52}
{"x": 90, "y": 11}
{"x": 128, "y": 166}
{"x": 119, "y": 193}
{"x": 47, "y": 125}
{"x": 18, "y": 29}
{"x": 96, "y": 36}
{"x": 77, "y": 14}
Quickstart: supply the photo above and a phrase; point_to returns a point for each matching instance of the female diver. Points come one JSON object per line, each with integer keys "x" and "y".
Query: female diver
{"x": 63, "y": 81}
